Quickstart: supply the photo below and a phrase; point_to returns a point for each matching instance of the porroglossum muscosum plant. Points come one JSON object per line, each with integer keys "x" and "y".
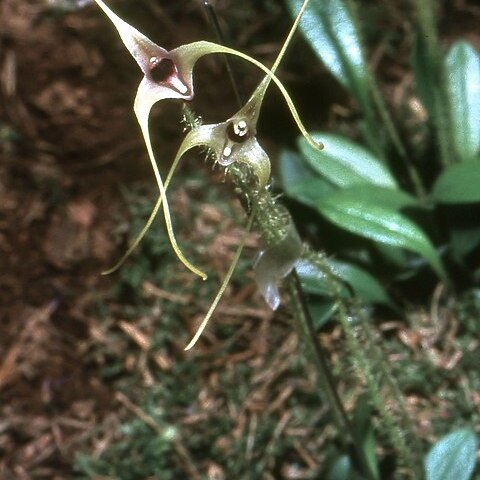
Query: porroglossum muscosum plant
{"x": 233, "y": 144}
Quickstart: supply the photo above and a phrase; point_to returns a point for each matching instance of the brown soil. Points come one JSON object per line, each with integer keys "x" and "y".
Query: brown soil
{"x": 68, "y": 139}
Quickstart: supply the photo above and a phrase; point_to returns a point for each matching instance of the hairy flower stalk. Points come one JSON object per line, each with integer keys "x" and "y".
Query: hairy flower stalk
{"x": 169, "y": 74}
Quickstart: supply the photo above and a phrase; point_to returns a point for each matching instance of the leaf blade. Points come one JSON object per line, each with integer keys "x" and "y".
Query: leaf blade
{"x": 453, "y": 456}
{"x": 345, "y": 163}
{"x": 459, "y": 183}
{"x": 462, "y": 68}
{"x": 365, "y": 285}
{"x": 330, "y": 30}
{"x": 380, "y": 224}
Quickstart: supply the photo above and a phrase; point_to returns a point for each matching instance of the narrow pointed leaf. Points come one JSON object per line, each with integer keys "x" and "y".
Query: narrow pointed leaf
{"x": 462, "y": 67}
{"x": 329, "y": 28}
{"x": 381, "y": 224}
{"x": 459, "y": 183}
{"x": 345, "y": 163}
{"x": 452, "y": 457}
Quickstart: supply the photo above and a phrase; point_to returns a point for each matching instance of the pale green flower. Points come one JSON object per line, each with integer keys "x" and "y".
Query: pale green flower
{"x": 169, "y": 74}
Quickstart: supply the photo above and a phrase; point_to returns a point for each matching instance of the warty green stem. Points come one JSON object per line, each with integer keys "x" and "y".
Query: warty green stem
{"x": 269, "y": 221}
{"x": 364, "y": 367}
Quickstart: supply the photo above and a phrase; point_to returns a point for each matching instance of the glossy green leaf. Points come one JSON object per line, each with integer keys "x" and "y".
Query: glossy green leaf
{"x": 392, "y": 255}
{"x": 459, "y": 183}
{"x": 300, "y": 181}
{"x": 367, "y": 287}
{"x": 313, "y": 280}
{"x": 380, "y": 224}
{"x": 452, "y": 457}
{"x": 370, "y": 193}
{"x": 311, "y": 191}
{"x": 293, "y": 169}
{"x": 462, "y": 69}
{"x": 329, "y": 28}
{"x": 345, "y": 163}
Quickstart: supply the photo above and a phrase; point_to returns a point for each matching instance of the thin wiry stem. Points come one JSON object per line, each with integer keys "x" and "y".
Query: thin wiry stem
{"x": 224, "y": 284}
{"x": 213, "y": 18}
{"x": 325, "y": 378}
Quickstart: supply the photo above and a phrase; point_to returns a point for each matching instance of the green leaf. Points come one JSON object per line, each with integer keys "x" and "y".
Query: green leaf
{"x": 313, "y": 280}
{"x": 345, "y": 163}
{"x": 381, "y": 224}
{"x": 370, "y": 193}
{"x": 343, "y": 470}
{"x": 321, "y": 311}
{"x": 363, "y": 283}
{"x": 459, "y": 183}
{"x": 462, "y": 68}
{"x": 464, "y": 240}
{"x": 311, "y": 191}
{"x": 329, "y": 28}
{"x": 293, "y": 170}
{"x": 300, "y": 181}
{"x": 452, "y": 457}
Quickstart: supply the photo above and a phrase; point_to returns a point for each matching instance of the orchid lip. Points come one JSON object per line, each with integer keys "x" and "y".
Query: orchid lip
{"x": 238, "y": 131}
{"x": 164, "y": 71}
{"x": 175, "y": 83}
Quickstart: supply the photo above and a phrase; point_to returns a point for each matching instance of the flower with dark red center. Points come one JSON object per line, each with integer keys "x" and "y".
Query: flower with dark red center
{"x": 169, "y": 74}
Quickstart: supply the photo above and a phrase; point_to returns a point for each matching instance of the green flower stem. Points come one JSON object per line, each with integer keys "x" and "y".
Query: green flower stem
{"x": 386, "y": 372}
{"x": 364, "y": 366}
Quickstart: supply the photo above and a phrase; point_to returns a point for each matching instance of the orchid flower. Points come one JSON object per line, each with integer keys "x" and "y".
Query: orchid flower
{"x": 169, "y": 74}
{"x": 235, "y": 141}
